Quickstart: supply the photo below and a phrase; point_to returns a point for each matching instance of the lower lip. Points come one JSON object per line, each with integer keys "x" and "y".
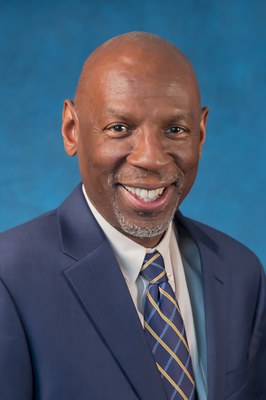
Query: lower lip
{"x": 147, "y": 206}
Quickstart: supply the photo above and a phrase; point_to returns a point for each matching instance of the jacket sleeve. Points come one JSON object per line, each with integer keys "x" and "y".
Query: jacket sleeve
{"x": 16, "y": 381}
{"x": 257, "y": 373}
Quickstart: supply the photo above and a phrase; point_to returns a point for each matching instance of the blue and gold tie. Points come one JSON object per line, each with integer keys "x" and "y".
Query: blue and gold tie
{"x": 165, "y": 331}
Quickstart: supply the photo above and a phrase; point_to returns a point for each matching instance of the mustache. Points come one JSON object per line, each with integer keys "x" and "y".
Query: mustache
{"x": 176, "y": 179}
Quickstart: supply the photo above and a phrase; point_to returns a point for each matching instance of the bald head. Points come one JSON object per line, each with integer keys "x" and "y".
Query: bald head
{"x": 139, "y": 52}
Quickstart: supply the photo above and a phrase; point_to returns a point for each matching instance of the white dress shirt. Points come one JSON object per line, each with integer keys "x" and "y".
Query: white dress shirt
{"x": 130, "y": 256}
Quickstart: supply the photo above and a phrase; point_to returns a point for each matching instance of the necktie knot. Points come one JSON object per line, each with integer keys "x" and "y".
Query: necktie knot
{"x": 153, "y": 269}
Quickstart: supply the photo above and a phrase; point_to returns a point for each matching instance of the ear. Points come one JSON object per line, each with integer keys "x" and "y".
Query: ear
{"x": 70, "y": 128}
{"x": 203, "y": 124}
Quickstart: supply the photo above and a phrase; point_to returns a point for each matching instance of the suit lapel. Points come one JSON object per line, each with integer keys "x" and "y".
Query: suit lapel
{"x": 215, "y": 300}
{"x": 214, "y": 271}
{"x": 99, "y": 286}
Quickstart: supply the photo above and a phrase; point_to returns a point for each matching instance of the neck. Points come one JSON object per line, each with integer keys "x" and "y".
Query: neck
{"x": 148, "y": 242}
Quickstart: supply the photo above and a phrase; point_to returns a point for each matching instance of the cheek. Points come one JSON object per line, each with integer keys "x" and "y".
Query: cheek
{"x": 187, "y": 158}
{"x": 108, "y": 158}
{"x": 99, "y": 162}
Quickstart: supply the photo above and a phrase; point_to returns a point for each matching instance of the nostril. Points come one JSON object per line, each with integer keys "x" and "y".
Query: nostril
{"x": 148, "y": 157}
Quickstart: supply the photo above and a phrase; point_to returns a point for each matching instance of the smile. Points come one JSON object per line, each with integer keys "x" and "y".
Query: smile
{"x": 145, "y": 194}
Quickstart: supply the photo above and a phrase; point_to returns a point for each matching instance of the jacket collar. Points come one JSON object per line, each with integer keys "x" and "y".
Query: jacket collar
{"x": 98, "y": 285}
{"x": 215, "y": 276}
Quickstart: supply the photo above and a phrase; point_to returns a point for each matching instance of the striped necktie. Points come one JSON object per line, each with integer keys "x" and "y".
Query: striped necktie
{"x": 165, "y": 331}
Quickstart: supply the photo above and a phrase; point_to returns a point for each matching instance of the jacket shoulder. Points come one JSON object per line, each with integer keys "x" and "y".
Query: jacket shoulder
{"x": 228, "y": 248}
{"x": 20, "y": 242}
{"x": 32, "y": 225}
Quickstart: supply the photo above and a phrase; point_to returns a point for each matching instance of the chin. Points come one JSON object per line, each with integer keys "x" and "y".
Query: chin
{"x": 146, "y": 229}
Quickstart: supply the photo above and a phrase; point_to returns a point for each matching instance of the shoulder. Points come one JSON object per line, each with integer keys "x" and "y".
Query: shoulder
{"x": 18, "y": 243}
{"x": 38, "y": 233}
{"x": 235, "y": 254}
{"x": 36, "y": 225}
{"x": 52, "y": 239}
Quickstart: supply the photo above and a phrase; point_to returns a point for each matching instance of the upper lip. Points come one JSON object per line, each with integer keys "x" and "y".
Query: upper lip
{"x": 147, "y": 186}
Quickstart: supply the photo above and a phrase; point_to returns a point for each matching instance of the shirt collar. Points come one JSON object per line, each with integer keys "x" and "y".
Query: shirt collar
{"x": 129, "y": 254}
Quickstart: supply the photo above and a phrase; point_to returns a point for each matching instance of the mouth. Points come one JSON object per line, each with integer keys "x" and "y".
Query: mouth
{"x": 146, "y": 199}
{"x": 146, "y": 195}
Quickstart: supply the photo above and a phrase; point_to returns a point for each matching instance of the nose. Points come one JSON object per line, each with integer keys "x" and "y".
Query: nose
{"x": 149, "y": 151}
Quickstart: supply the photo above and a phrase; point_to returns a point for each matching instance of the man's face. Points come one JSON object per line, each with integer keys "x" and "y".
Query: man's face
{"x": 139, "y": 135}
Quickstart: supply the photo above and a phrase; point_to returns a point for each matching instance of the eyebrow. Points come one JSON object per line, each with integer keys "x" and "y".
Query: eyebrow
{"x": 175, "y": 116}
{"x": 182, "y": 116}
{"x": 118, "y": 113}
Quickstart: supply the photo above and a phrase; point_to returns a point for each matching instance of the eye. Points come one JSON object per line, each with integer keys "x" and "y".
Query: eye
{"x": 119, "y": 128}
{"x": 175, "y": 130}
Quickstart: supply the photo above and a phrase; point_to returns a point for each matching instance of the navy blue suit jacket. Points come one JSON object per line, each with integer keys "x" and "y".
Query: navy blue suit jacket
{"x": 69, "y": 329}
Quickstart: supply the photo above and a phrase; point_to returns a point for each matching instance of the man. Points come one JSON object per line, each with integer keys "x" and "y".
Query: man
{"x": 74, "y": 294}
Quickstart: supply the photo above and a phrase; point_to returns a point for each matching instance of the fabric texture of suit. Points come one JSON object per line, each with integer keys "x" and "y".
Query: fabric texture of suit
{"x": 69, "y": 329}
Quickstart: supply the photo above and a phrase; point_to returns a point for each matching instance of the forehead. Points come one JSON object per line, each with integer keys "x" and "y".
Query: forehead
{"x": 130, "y": 84}
{"x": 136, "y": 78}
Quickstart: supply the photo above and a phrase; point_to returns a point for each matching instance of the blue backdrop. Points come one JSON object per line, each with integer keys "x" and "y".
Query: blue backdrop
{"x": 43, "y": 47}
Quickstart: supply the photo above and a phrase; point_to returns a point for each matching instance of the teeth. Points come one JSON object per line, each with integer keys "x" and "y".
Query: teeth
{"x": 144, "y": 194}
{"x": 151, "y": 194}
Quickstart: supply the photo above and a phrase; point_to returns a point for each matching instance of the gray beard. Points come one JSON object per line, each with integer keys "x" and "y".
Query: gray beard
{"x": 142, "y": 232}
{"x": 132, "y": 229}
